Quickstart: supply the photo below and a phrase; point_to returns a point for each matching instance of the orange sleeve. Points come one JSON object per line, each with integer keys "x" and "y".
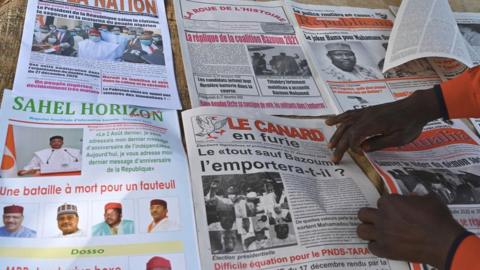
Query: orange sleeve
{"x": 467, "y": 254}
{"x": 462, "y": 94}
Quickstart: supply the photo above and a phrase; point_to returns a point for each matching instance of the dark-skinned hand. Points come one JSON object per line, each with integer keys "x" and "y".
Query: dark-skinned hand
{"x": 385, "y": 125}
{"x": 410, "y": 228}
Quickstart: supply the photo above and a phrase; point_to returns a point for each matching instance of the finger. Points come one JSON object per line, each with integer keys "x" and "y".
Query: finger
{"x": 375, "y": 249}
{"x": 368, "y": 215}
{"x": 333, "y": 120}
{"x": 383, "y": 141}
{"x": 351, "y": 138}
{"x": 338, "y": 134}
{"x": 366, "y": 232}
{"x": 340, "y": 149}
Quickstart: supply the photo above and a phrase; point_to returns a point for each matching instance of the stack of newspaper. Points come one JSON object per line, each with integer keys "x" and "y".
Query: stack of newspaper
{"x": 94, "y": 174}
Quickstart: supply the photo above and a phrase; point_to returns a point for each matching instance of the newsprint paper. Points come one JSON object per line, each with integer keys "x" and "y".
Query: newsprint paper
{"x": 87, "y": 50}
{"x": 429, "y": 29}
{"x": 445, "y": 161}
{"x": 347, "y": 47}
{"x": 245, "y": 54}
{"x": 267, "y": 195}
{"x": 88, "y": 186}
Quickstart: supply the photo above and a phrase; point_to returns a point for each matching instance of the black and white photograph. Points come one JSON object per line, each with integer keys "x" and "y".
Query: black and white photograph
{"x": 74, "y": 38}
{"x": 247, "y": 212}
{"x": 451, "y": 187}
{"x": 278, "y": 61}
{"x": 340, "y": 61}
{"x": 471, "y": 33}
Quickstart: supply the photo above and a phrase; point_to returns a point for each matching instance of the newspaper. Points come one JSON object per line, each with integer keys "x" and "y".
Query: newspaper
{"x": 245, "y": 54}
{"x": 97, "y": 51}
{"x": 347, "y": 48}
{"x": 444, "y": 160}
{"x": 267, "y": 195}
{"x": 469, "y": 26}
{"x": 66, "y": 170}
{"x": 429, "y": 29}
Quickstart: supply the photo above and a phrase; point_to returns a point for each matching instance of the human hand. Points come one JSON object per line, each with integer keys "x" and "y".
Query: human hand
{"x": 411, "y": 228}
{"x": 390, "y": 124}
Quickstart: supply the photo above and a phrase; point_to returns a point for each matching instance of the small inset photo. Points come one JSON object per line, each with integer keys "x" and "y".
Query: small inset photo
{"x": 65, "y": 220}
{"x": 40, "y": 151}
{"x": 159, "y": 214}
{"x": 278, "y": 61}
{"x": 113, "y": 218}
{"x": 19, "y": 220}
{"x": 344, "y": 62}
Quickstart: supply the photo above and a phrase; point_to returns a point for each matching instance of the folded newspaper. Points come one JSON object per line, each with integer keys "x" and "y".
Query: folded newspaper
{"x": 267, "y": 195}
{"x": 97, "y": 51}
{"x": 287, "y": 58}
{"x": 429, "y": 28}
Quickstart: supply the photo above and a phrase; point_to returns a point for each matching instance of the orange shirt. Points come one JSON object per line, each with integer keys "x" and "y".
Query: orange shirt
{"x": 462, "y": 100}
{"x": 462, "y": 94}
{"x": 467, "y": 255}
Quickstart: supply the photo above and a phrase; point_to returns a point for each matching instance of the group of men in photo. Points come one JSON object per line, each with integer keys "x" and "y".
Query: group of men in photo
{"x": 68, "y": 221}
{"x": 251, "y": 219}
{"x": 110, "y": 43}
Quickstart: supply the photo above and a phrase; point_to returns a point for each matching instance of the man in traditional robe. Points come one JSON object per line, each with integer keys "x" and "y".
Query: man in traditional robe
{"x": 344, "y": 65}
{"x": 67, "y": 221}
{"x": 12, "y": 219}
{"x": 55, "y": 156}
{"x": 159, "y": 213}
{"x": 105, "y": 33}
{"x": 96, "y": 49}
{"x": 113, "y": 224}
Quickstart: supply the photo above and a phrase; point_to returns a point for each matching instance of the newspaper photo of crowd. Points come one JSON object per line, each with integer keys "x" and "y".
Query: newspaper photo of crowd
{"x": 247, "y": 212}
{"x": 451, "y": 187}
{"x": 278, "y": 61}
{"x": 471, "y": 33}
{"x": 94, "y": 41}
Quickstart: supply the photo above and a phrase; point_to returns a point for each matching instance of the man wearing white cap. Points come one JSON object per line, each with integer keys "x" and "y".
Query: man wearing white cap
{"x": 344, "y": 65}
{"x": 67, "y": 221}
{"x": 95, "y": 48}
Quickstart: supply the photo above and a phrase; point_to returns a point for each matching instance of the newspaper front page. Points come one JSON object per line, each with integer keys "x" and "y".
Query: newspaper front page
{"x": 244, "y": 54}
{"x": 103, "y": 51}
{"x": 347, "y": 48}
{"x": 445, "y": 161}
{"x": 91, "y": 186}
{"x": 469, "y": 25}
{"x": 267, "y": 195}
{"x": 429, "y": 29}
